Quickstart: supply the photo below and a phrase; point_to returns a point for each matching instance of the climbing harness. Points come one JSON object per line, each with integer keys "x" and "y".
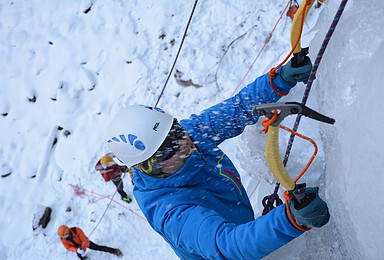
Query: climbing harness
{"x": 272, "y": 126}
{"x": 299, "y": 56}
{"x": 178, "y": 52}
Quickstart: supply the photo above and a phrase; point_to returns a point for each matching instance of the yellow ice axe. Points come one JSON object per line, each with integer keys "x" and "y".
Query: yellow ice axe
{"x": 300, "y": 55}
{"x": 272, "y": 152}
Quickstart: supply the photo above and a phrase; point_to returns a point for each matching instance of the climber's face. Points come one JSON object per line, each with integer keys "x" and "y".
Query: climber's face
{"x": 171, "y": 156}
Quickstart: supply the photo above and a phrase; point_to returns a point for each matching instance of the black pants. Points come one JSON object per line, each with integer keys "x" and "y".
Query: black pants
{"x": 120, "y": 188}
{"x": 107, "y": 249}
{"x": 96, "y": 247}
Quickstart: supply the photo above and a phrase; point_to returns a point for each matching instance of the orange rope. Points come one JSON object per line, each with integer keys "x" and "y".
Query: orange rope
{"x": 273, "y": 72}
{"x": 313, "y": 155}
{"x": 267, "y": 122}
{"x": 288, "y": 197}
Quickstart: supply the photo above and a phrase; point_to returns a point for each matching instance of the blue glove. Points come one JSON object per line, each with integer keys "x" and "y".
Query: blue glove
{"x": 293, "y": 75}
{"x": 315, "y": 214}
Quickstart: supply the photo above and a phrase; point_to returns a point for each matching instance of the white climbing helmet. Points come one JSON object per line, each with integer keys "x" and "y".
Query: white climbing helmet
{"x": 136, "y": 132}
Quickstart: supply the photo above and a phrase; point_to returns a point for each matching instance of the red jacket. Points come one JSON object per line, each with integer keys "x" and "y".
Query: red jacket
{"x": 112, "y": 172}
{"x": 77, "y": 240}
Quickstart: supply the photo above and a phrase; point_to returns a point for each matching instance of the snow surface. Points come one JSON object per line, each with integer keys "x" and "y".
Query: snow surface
{"x": 66, "y": 70}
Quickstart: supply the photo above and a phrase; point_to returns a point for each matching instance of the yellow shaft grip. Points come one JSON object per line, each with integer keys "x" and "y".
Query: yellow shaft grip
{"x": 274, "y": 160}
{"x": 296, "y": 25}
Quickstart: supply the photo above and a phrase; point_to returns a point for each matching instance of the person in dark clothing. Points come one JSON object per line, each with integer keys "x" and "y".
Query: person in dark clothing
{"x": 74, "y": 240}
{"x": 110, "y": 170}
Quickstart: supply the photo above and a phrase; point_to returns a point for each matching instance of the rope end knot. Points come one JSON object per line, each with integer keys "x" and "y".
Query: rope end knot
{"x": 272, "y": 73}
{"x": 287, "y": 196}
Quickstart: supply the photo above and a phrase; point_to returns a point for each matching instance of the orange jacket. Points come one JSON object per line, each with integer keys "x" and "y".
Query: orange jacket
{"x": 78, "y": 238}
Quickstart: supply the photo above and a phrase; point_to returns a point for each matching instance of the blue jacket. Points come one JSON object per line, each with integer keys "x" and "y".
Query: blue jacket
{"x": 203, "y": 210}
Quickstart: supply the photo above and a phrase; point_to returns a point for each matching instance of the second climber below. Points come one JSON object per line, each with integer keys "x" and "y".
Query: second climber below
{"x": 111, "y": 171}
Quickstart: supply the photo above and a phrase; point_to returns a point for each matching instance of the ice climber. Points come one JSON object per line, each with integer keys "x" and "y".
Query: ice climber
{"x": 190, "y": 191}
{"x": 110, "y": 170}
{"x": 74, "y": 240}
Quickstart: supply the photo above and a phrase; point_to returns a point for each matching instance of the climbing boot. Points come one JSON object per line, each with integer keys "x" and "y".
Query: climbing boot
{"x": 127, "y": 199}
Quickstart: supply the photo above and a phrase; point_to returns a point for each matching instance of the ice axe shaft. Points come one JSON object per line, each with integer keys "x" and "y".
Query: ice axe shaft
{"x": 272, "y": 152}
{"x": 299, "y": 54}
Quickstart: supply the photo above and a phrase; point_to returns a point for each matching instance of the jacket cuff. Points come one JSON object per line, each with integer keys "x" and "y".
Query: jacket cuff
{"x": 289, "y": 224}
{"x": 280, "y": 84}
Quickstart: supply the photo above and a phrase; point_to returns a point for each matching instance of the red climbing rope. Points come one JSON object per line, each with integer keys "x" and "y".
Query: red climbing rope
{"x": 261, "y": 50}
{"x": 82, "y": 193}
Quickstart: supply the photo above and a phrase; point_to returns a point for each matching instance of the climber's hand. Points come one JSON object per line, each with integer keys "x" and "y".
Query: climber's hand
{"x": 81, "y": 252}
{"x": 299, "y": 74}
{"x": 315, "y": 214}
